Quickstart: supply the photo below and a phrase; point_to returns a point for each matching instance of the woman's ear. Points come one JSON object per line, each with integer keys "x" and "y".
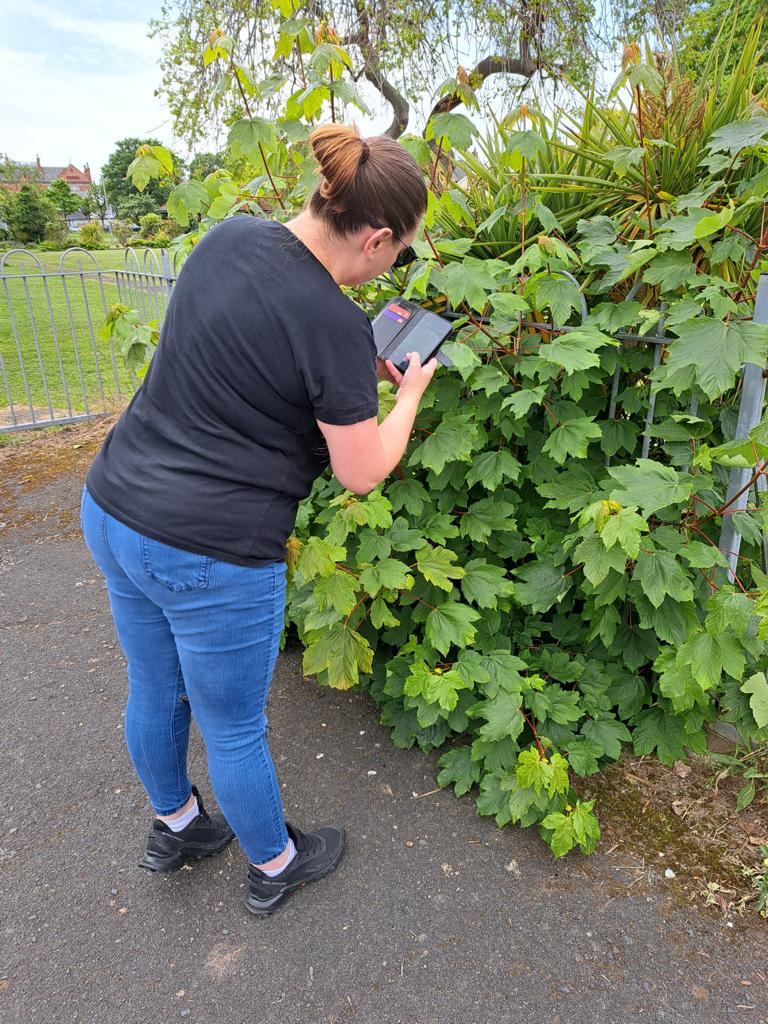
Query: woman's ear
{"x": 377, "y": 239}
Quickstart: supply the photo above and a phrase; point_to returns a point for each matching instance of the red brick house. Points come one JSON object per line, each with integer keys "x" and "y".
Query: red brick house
{"x": 78, "y": 181}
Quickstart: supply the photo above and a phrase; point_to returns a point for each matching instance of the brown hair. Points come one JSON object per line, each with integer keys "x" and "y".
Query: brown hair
{"x": 366, "y": 182}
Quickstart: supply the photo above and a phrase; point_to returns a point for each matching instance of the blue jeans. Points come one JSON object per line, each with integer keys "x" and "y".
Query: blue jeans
{"x": 200, "y": 636}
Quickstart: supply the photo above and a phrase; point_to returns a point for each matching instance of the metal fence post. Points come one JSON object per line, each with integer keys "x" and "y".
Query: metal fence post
{"x": 750, "y": 414}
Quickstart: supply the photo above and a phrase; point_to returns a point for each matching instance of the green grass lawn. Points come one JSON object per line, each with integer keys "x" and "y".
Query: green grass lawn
{"x": 72, "y": 374}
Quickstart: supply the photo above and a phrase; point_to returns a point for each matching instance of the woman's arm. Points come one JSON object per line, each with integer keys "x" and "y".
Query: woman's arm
{"x": 363, "y": 454}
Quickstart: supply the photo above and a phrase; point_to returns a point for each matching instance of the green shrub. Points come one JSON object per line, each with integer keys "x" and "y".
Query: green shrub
{"x": 540, "y": 582}
{"x": 57, "y": 231}
{"x": 91, "y": 236}
{"x": 121, "y": 231}
{"x": 150, "y": 225}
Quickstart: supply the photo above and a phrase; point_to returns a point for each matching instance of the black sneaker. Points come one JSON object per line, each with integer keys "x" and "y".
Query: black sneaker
{"x": 317, "y": 855}
{"x": 204, "y": 836}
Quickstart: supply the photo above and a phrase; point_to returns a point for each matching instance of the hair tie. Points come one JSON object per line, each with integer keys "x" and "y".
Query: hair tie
{"x": 366, "y": 153}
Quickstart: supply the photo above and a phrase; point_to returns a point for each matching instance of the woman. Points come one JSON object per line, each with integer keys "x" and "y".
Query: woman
{"x": 264, "y": 372}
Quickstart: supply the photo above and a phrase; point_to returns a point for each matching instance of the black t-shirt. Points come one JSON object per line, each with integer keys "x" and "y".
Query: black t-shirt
{"x": 220, "y": 443}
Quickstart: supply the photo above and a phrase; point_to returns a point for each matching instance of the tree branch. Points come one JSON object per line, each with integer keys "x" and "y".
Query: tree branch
{"x": 493, "y": 65}
{"x": 372, "y": 71}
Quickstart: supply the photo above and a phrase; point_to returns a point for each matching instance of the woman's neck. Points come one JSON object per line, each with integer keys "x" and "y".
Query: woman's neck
{"x": 314, "y": 234}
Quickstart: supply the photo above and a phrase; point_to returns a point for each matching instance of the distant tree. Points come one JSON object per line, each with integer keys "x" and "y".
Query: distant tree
{"x": 132, "y": 208}
{"x": 718, "y": 23}
{"x": 29, "y": 215}
{"x": 203, "y": 164}
{"x": 90, "y": 204}
{"x": 62, "y": 198}
{"x": 12, "y": 170}
{"x": 119, "y": 188}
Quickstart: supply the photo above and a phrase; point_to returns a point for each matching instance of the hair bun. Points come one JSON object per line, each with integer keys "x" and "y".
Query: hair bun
{"x": 340, "y": 151}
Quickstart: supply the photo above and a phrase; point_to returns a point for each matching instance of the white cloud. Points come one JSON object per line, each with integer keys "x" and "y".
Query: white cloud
{"x": 67, "y": 115}
{"x": 130, "y": 36}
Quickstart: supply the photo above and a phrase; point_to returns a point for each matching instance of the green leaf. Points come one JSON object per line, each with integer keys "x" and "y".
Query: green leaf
{"x": 502, "y": 715}
{"x": 436, "y": 686}
{"x": 661, "y": 576}
{"x": 523, "y": 400}
{"x": 757, "y": 687}
{"x": 559, "y": 294}
{"x": 248, "y": 134}
{"x": 727, "y": 609}
{"x": 436, "y": 566}
{"x": 628, "y": 694}
{"x": 318, "y": 558}
{"x": 597, "y": 559}
{"x": 484, "y": 584}
{"x": 575, "y": 350}
{"x": 143, "y": 169}
{"x": 654, "y": 729}
{"x": 373, "y": 546}
{"x": 562, "y": 840}
{"x": 608, "y": 734}
{"x": 452, "y": 129}
{"x": 541, "y": 773}
{"x": 540, "y": 585}
{"x": 381, "y": 614}
{"x": 187, "y": 200}
{"x": 583, "y": 755}
{"x": 625, "y": 157}
{"x": 468, "y": 281}
{"x": 745, "y": 796}
{"x": 647, "y": 76}
{"x": 598, "y": 233}
{"x": 625, "y": 528}
{"x": 738, "y": 135}
{"x": 680, "y": 232}
{"x": 486, "y": 516}
{"x": 572, "y": 489}
{"x": 341, "y": 652}
{"x": 713, "y": 223}
{"x": 527, "y": 144}
{"x": 453, "y": 441}
{"x": 450, "y": 623}
{"x": 493, "y": 467}
{"x": 547, "y": 219}
{"x": 464, "y": 358}
{"x": 555, "y": 704}
{"x": 489, "y": 379}
{"x": 508, "y": 304}
{"x": 571, "y": 439}
{"x": 410, "y": 494}
{"x": 339, "y": 591}
{"x": 715, "y": 351}
{"x": 492, "y": 799}
{"x": 459, "y": 770}
{"x": 585, "y": 826}
{"x": 403, "y": 538}
{"x": 671, "y": 270}
{"x": 649, "y": 486}
{"x": 388, "y": 574}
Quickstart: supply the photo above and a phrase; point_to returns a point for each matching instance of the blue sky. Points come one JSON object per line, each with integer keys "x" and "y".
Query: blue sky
{"x": 75, "y": 77}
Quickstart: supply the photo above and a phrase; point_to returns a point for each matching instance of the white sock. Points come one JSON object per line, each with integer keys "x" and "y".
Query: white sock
{"x": 181, "y": 823}
{"x": 277, "y": 871}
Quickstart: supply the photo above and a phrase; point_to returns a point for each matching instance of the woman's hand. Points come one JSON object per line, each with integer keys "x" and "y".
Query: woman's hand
{"x": 415, "y": 381}
{"x": 363, "y": 454}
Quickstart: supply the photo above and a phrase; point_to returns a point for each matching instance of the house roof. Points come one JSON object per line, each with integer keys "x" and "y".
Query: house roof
{"x": 45, "y": 175}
